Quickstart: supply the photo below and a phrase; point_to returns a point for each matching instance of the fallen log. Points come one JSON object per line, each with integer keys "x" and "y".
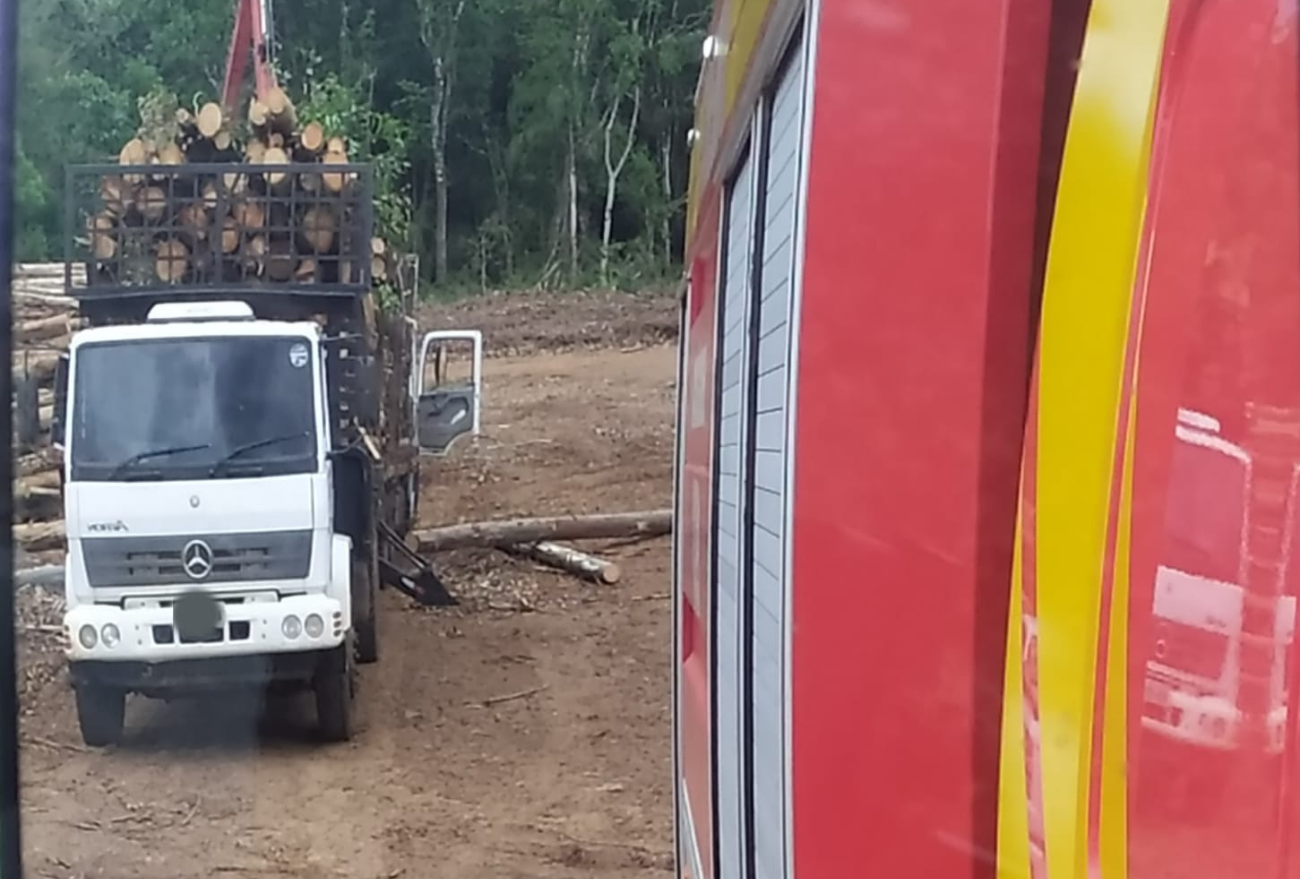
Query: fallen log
{"x": 37, "y": 502}
{"x": 48, "y": 576}
{"x": 39, "y": 364}
{"x": 39, "y": 536}
{"x": 36, "y": 462}
{"x": 28, "y": 483}
{"x": 574, "y": 561}
{"x": 651, "y": 523}
{"x": 43, "y": 328}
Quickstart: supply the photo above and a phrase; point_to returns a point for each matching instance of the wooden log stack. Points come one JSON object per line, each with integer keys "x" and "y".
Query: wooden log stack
{"x": 44, "y": 320}
{"x": 266, "y": 218}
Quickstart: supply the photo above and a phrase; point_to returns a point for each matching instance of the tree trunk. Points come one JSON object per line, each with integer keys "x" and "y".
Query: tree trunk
{"x": 440, "y": 38}
{"x": 575, "y": 561}
{"x": 666, "y": 162}
{"x": 571, "y": 226}
{"x": 43, "y": 328}
{"x": 613, "y": 170}
{"x": 439, "y": 198}
{"x": 39, "y": 536}
{"x": 650, "y": 523}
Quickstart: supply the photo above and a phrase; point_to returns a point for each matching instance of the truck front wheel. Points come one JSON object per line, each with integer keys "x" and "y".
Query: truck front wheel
{"x": 101, "y": 713}
{"x": 335, "y": 688}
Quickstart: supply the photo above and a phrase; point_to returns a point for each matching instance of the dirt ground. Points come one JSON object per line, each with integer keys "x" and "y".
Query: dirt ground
{"x": 524, "y": 733}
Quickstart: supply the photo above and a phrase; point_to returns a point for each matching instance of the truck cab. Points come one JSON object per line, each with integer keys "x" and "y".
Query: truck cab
{"x": 199, "y": 512}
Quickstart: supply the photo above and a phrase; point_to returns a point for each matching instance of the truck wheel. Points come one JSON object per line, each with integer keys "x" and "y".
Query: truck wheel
{"x": 366, "y": 623}
{"x": 335, "y": 688}
{"x": 101, "y": 712}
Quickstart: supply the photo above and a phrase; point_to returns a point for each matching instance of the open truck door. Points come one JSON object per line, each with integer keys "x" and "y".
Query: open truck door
{"x": 447, "y": 401}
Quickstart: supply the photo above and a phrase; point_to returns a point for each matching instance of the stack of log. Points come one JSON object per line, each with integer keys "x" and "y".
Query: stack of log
{"x": 266, "y": 218}
{"x": 44, "y": 320}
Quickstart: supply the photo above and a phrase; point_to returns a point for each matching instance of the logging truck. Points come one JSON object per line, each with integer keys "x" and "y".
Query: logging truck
{"x": 241, "y": 423}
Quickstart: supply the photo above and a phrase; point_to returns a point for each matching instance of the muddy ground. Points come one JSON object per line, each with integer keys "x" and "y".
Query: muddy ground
{"x": 524, "y": 733}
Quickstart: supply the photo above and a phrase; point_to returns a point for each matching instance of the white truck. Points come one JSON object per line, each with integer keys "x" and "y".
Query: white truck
{"x": 1192, "y": 686}
{"x": 240, "y": 462}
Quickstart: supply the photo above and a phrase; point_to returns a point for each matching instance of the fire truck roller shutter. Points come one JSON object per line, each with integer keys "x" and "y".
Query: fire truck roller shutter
{"x": 734, "y": 356}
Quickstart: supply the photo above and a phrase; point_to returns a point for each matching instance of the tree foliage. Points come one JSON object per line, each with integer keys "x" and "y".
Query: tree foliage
{"x": 553, "y": 131}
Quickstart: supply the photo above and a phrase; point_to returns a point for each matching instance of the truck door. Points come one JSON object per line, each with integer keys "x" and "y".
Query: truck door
{"x": 447, "y": 400}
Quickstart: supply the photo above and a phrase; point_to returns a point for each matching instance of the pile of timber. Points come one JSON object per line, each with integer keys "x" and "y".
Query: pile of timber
{"x": 210, "y": 198}
{"x": 44, "y": 321}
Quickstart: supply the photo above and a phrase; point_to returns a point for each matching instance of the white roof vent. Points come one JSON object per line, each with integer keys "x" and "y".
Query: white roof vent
{"x": 166, "y": 312}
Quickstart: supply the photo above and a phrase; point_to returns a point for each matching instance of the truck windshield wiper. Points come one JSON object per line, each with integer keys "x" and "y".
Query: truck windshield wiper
{"x": 153, "y": 453}
{"x": 248, "y": 447}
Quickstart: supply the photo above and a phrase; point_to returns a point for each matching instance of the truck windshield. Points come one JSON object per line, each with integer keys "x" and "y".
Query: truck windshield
{"x": 193, "y": 408}
{"x": 1205, "y": 516}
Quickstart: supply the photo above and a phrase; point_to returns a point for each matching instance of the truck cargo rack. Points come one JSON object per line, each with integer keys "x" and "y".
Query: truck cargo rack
{"x": 149, "y": 233}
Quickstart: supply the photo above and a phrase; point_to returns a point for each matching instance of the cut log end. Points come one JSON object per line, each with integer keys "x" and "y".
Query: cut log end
{"x": 151, "y": 201}
{"x": 172, "y": 260}
{"x": 318, "y": 228}
{"x": 312, "y": 137}
{"x": 257, "y": 113}
{"x": 211, "y": 119}
{"x": 255, "y": 152}
{"x": 335, "y": 181}
{"x": 133, "y": 153}
{"x": 169, "y": 154}
{"x": 103, "y": 244}
{"x": 275, "y": 156}
{"x": 229, "y": 235}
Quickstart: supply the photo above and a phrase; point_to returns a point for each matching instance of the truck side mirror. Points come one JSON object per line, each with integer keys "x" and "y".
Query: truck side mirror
{"x": 446, "y": 405}
{"x": 58, "y": 428}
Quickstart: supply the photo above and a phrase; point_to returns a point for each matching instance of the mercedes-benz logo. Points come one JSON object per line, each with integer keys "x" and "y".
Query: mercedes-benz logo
{"x": 196, "y": 558}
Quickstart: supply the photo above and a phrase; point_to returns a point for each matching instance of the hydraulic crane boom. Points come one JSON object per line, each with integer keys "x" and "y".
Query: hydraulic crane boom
{"x": 252, "y": 28}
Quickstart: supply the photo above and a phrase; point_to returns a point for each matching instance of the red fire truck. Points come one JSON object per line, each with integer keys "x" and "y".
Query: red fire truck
{"x": 989, "y": 433}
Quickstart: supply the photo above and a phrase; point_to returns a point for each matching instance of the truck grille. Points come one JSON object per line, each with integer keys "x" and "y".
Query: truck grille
{"x": 157, "y": 561}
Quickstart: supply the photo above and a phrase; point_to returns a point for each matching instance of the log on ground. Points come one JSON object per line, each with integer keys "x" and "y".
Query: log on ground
{"x": 574, "y": 561}
{"x": 650, "y": 523}
{"x": 39, "y": 536}
{"x": 43, "y": 329}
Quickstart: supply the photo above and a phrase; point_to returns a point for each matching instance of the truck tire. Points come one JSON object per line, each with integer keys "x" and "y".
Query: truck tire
{"x": 335, "y": 688}
{"x": 366, "y": 623}
{"x": 101, "y": 713}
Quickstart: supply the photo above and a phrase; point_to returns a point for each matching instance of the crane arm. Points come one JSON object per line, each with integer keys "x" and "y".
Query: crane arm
{"x": 252, "y": 29}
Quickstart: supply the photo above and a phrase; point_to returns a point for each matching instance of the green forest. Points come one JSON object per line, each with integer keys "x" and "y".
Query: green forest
{"x": 517, "y": 143}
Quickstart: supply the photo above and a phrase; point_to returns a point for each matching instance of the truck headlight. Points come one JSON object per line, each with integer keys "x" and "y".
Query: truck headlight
{"x": 291, "y": 627}
{"x": 110, "y": 635}
{"x": 88, "y": 637}
{"x": 315, "y": 626}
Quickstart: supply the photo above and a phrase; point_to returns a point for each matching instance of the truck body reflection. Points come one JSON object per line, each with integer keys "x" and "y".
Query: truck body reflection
{"x": 1193, "y": 686}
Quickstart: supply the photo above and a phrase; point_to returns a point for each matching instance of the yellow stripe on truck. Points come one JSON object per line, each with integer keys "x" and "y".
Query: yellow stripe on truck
{"x": 1087, "y": 304}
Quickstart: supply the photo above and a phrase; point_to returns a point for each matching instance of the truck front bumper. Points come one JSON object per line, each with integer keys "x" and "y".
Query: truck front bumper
{"x": 296, "y": 624}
